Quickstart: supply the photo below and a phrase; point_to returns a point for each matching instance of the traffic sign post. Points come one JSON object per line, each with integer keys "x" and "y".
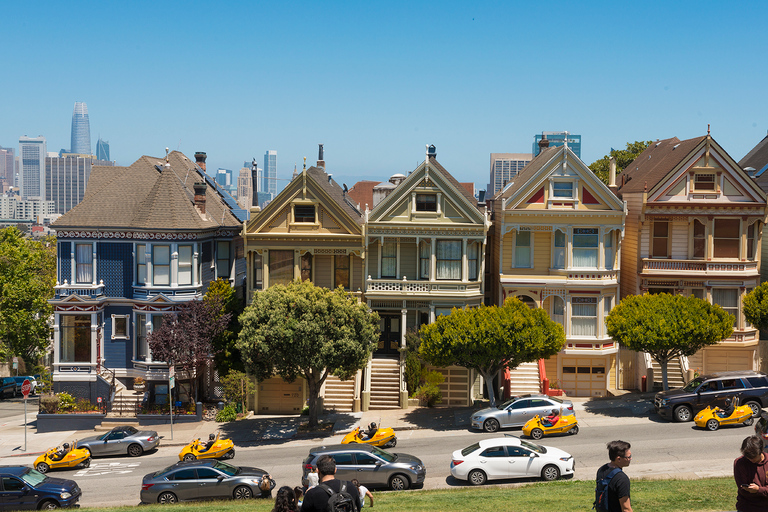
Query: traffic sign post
{"x": 171, "y": 379}
{"x": 26, "y": 387}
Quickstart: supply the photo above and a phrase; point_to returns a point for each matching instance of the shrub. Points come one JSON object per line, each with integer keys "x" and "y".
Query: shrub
{"x": 66, "y": 402}
{"x": 238, "y": 387}
{"x": 49, "y": 404}
{"x": 228, "y": 413}
{"x": 83, "y": 405}
{"x": 414, "y": 364}
{"x": 45, "y": 382}
{"x": 429, "y": 392}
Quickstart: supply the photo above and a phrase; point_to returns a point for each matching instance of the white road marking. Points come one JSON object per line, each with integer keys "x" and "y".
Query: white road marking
{"x": 108, "y": 468}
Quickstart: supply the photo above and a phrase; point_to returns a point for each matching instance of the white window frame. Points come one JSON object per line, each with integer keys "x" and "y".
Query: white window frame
{"x": 596, "y": 248}
{"x": 156, "y": 265}
{"x": 559, "y": 250}
{"x": 515, "y": 250}
{"x": 188, "y": 266}
{"x": 77, "y": 262}
{"x": 126, "y": 334}
{"x": 141, "y": 263}
{"x": 579, "y": 300}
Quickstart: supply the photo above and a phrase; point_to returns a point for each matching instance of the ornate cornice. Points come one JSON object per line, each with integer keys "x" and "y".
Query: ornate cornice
{"x": 730, "y": 209}
{"x": 138, "y": 235}
{"x": 422, "y": 232}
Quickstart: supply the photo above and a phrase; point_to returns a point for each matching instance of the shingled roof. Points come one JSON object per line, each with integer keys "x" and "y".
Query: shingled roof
{"x": 655, "y": 163}
{"x": 434, "y": 163}
{"x": 757, "y": 158}
{"x": 148, "y": 195}
{"x": 333, "y": 189}
{"x": 529, "y": 171}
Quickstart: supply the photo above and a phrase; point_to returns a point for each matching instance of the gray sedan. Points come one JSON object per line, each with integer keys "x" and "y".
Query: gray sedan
{"x": 207, "y": 479}
{"x": 121, "y": 440}
{"x": 518, "y": 410}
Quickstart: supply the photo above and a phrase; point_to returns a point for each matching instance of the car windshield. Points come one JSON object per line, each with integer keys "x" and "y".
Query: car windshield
{"x": 557, "y": 400}
{"x": 33, "y": 477}
{"x": 104, "y": 436}
{"x": 389, "y": 457}
{"x": 508, "y": 402}
{"x": 227, "y": 468}
{"x": 533, "y": 446}
{"x": 692, "y": 385}
{"x": 163, "y": 471}
{"x": 469, "y": 449}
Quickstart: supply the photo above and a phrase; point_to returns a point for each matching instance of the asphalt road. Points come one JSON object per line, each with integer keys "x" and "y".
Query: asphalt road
{"x": 10, "y": 407}
{"x": 658, "y": 448}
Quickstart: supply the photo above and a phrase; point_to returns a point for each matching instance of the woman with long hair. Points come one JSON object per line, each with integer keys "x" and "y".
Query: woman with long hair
{"x": 285, "y": 501}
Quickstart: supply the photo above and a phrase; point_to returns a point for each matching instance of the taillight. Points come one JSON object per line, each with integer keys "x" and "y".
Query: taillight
{"x": 151, "y": 438}
{"x": 456, "y": 462}
{"x": 570, "y": 407}
{"x": 308, "y": 467}
{"x": 144, "y": 487}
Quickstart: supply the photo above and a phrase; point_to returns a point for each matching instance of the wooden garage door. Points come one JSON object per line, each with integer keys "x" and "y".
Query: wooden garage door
{"x": 455, "y": 388}
{"x": 584, "y": 376}
{"x": 279, "y": 397}
{"x": 727, "y": 360}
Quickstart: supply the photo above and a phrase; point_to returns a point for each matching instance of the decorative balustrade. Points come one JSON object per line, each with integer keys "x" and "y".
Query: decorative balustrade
{"x": 82, "y": 290}
{"x": 403, "y": 286}
{"x": 650, "y": 264}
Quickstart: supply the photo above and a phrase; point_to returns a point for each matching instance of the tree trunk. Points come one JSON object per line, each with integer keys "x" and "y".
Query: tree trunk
{"x": 663, "y": 363}
{"x": 489, "y": 385}
{"x": 314, "y": 391}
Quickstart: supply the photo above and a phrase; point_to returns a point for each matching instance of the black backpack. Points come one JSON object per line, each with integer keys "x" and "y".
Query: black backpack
{"x": 340, "y": 501}
{"x": 601, "y": 491}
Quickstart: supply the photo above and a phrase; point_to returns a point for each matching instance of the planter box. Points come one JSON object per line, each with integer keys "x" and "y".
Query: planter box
{"x": 164, "y": 419}
{"x": 555, "y": 392}
{"x": 59, "y": 422}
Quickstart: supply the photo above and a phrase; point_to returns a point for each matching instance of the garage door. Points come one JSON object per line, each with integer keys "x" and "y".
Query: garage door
{"x": 455, "y": 388}
{"x": 279, "y": 397}
{"x": 584, "y": 376}
{"x": 728, "y": 360}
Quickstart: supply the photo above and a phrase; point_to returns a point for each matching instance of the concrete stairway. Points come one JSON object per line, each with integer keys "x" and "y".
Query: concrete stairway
{"x": 385, "y": 383}
{"x": 125, "y": 403}
{"x": 674, "y": 374}
{"x": 525, "y": 379}
{"x": 339, "y": 394}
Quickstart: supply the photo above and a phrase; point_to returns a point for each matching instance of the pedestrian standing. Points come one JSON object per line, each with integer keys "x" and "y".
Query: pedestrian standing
{"x": 617, "y": 493}
{"x": 317, "y": 498}
{"x": 363, "y": 490}
{"x": 749, "y": 471}
{"x": 285, "y": 500}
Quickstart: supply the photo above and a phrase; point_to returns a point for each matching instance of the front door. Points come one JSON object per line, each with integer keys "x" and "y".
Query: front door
{"x": 389, "y": 341}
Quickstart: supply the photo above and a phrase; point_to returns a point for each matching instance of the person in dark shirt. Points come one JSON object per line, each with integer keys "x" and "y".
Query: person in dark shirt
{"x": 729, "y": 408}
{"x": 316, "y": 498}
{"x": 620, "y": 456}
{"x": 749, "y": 471}
{"x": 211, "y": 441}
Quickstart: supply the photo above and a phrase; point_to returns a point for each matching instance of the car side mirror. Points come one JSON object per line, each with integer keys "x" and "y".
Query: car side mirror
{"x": 532, "y": 455}
{"x": 379, "y": 463}
{"x": 220, "y": 478}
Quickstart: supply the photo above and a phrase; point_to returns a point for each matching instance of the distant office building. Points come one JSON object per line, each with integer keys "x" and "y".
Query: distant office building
{"x": 102, "y": 150}
{"x": 66, "y": 178}
{"x": 13, "y": 208}
{"x": 270, "y": 173}
{"x": 224, "y": 177}
{"x": 7, "y": 165}
{"x": 504, "y": 167}
{"x": 244, "y": 189}
{"x": 81, "y": 130}
{"x": 32, "y": 151}
{"x": 557, "y": 139}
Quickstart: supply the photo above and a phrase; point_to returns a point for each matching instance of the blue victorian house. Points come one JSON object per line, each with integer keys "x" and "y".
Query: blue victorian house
{"x": 145, "y": 238}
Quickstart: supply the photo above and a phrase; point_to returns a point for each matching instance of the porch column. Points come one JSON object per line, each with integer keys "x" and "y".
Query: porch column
{"x": 403, "y": 388}
{"x": 464, "y": 263}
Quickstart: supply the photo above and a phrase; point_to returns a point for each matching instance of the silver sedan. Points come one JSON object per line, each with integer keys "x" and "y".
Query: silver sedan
{"x": 121, "y": 440}
{"x": 518, "y": 410}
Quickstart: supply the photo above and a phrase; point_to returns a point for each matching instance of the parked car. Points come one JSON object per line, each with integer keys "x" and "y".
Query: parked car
{"x": 372, "y": 466}
{"x": 200, "y": 479}
{"x": 510, "y": 457}
{"x": 517, "y": 411}
{"x": 20, "y": 380}
{"x": 682, "y": 404}
{"x": 7, "y": 387}
{"x": 26, "y": 488}
{"x": 121, "y": 440}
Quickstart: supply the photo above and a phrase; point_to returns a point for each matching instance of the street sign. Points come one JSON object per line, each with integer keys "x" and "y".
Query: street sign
{"x": 26, "y": 387}
{"x": 15, "y": 363}
{"x": 98, "y": 400}
{"x": 171, "y": 371}
{"x": 172, "y": 382}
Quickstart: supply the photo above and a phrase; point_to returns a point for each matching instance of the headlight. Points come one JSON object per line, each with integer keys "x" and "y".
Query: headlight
{"x": 663, "y": 402}
{"x": 417, "y": 467}
{"x": 475, "y": 418}
{"x": 65, "y": 495}
{"x": 566, "y": 459}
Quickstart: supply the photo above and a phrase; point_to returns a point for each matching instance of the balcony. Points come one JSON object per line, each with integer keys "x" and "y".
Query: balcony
{"x": 434, "y": 288}
{"x": 85, "y": 291}
{"x": 709, "y": 268}
{"x": 181, "y": 293}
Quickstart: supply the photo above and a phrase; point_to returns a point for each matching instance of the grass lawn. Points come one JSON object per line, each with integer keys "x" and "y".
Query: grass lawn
{"x": 711, "y": 494}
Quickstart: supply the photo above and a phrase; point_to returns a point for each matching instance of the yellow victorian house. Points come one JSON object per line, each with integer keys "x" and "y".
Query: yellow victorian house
{"x": 557, "y": 231}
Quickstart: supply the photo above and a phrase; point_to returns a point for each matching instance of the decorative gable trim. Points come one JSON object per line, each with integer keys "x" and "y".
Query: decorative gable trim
{"x": 588, "y": 198}
{"x": 138, "y": 235}
{"x": 537, "y": 197}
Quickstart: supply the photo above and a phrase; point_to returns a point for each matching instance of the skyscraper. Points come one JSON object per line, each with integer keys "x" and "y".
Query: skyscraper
{"x": 504, "y": 167}
{"x": 66, "y": 178}
{"x": 102, "y": 150}
{"x": 558, "y": 139}
{"x": 32, "y": 151}
{"x": 270, "y": 173}
{"x": 81, "y": 130}
{"x": 7, "y": 165}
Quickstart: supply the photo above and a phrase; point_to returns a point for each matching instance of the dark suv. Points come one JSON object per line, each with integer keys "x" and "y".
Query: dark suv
{"x": 681, "y": 404}
{"x": 7, "y": 387}
{"x": 25, "y": 488}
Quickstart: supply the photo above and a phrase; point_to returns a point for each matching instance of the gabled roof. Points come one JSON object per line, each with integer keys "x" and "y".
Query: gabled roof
{"x": 433, "y": 161}
{"x": 336, "y": 193}
{"x": 528, "y": 172}
{"x": 654, "y": 164}
{"x": 148, "y": 195}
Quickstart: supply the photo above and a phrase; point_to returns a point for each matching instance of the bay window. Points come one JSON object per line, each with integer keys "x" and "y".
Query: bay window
{"x": 161, "y": 265}
{"x": 585, "y": 245}
{"x": 75, "y": 338}
{"x": 752, "y": 234}
{"x": 608, "y": 250}
{"x": 141, "y": 264}
{"x": 584, "y": 316}
{"x": 389, "y": 259}
{"x": 425, "y": 256}
{"x": 726, "y": 238}
{"x": 728, "y": 299}
{"x": 142, "y": 350}
{"x": 449, "y": 259}
{"x": 185, "y": 265}
{"x": 280, "y": 267}
{"x": 473, "y": 257}
{"x": 558, "y": 255}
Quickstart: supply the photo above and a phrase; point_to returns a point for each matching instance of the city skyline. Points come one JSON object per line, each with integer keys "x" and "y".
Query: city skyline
{"x": 377, "y": 93}
{"x": 80, "y": 142}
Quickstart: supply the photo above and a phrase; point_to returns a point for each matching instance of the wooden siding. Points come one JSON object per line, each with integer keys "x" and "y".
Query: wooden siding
{"x": 408, "y": 256}
{"x": 679, "y": 240}
{"x": 630, "y": 246}
{"x": 323, "y": 271}
{"x": 357, "y": 273}
{"x": 373, "y": 260}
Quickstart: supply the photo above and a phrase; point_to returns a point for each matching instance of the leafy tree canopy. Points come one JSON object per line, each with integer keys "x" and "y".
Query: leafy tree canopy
{"x": 491, "y": 338}
{"x": 756, "y": 307}
{"x": 27, "y": 279}
{"x": 624, "y": 157}
{"x": 668, "y": 326}
{"x": 225, "y": 301}
{"x": 301, "y": 330}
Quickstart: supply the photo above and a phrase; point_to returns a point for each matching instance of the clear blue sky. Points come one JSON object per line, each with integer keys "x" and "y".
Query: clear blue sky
{"x": 376, "y": 81}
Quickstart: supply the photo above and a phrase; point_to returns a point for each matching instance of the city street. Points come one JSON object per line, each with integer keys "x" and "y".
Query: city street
{"x": 660, "y": 450}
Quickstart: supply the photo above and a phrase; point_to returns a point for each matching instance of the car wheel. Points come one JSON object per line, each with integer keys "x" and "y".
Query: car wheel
{"x": 755, "y": 408}
{"x": 42, "y": 467}
{"x": 230, "y": 454}
{"x": 242, "y": 492}
{"x": 392, "y": 443}
{"x": 476, "y": 477}
{"x": 87, "y": 463}
{"x": 491, "y": 425}
{"x": 189, "y": 457}
{"x": 713, "y": 424}
{"x": 167, "y": 498}
{"x": 574, "y": 430}
{"x": 683, "y": 413}
{"x": 135, "y": 450}
{"x": 537, "y": 433}
{"x": 48, "y": 505}
{"x": 399, "y": 483}
{"x": 550, "y": 473}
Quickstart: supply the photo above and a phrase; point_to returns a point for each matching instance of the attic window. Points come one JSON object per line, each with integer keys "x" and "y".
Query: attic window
{"x": 704, "y": 182}
{"x": 562, "y": 189}
{"x": 304, "y": 213}
{"x": 426, "y": 202}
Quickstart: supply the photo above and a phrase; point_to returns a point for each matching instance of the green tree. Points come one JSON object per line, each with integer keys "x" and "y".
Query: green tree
{"x": 624, "y": 157}
{"x": 237, "y": 387}
{"x": 491, "y": 338}
{"x": 301, "y": 330}
{"x": 27, "y": 279}
{"x": 667, "y": 326}
{"x": 227, "y": 356}
{"x": 756, "y": 307}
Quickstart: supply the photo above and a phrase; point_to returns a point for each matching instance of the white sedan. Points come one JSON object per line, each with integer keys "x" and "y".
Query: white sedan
{"x": 509, "y": 457}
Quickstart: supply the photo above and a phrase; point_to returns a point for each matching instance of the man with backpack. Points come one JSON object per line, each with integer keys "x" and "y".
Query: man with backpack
{"x": 612, "y": 484}
{"x": 331, "y": 495}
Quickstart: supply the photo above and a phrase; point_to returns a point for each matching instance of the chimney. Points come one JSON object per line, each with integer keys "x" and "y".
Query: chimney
{"x": 200, "y": 157}
{"x": 543, "y": 143}
{"x": 254, "y": 183}
{"x": 612, "y": 172}
{"x": 320, "y": 161}
{"x": 200, "y": 193}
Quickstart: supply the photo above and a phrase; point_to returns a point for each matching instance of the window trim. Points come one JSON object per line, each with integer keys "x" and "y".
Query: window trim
{"x": 529, "y": 246}
{"x": 652, "y": 248}
{"x": 127, "y": 319}
{"x": 423, "y": 206}
{"x": 155, "y": 265}
{"x": 77, "y": 264}
{"x": 304, "y": 217}
{"x": 140, "y": 259}
{"x": 715, "y": 238}
{"x": 343, "y": 258}
{"x": 696, "y": 182}
{"x": 458, "y": 261}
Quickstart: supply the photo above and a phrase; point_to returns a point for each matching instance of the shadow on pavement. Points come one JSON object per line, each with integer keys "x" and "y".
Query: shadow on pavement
{"x": 276, "y": 430}
{"x": 631, "y": 405}
{"x": 439, "y": 418}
